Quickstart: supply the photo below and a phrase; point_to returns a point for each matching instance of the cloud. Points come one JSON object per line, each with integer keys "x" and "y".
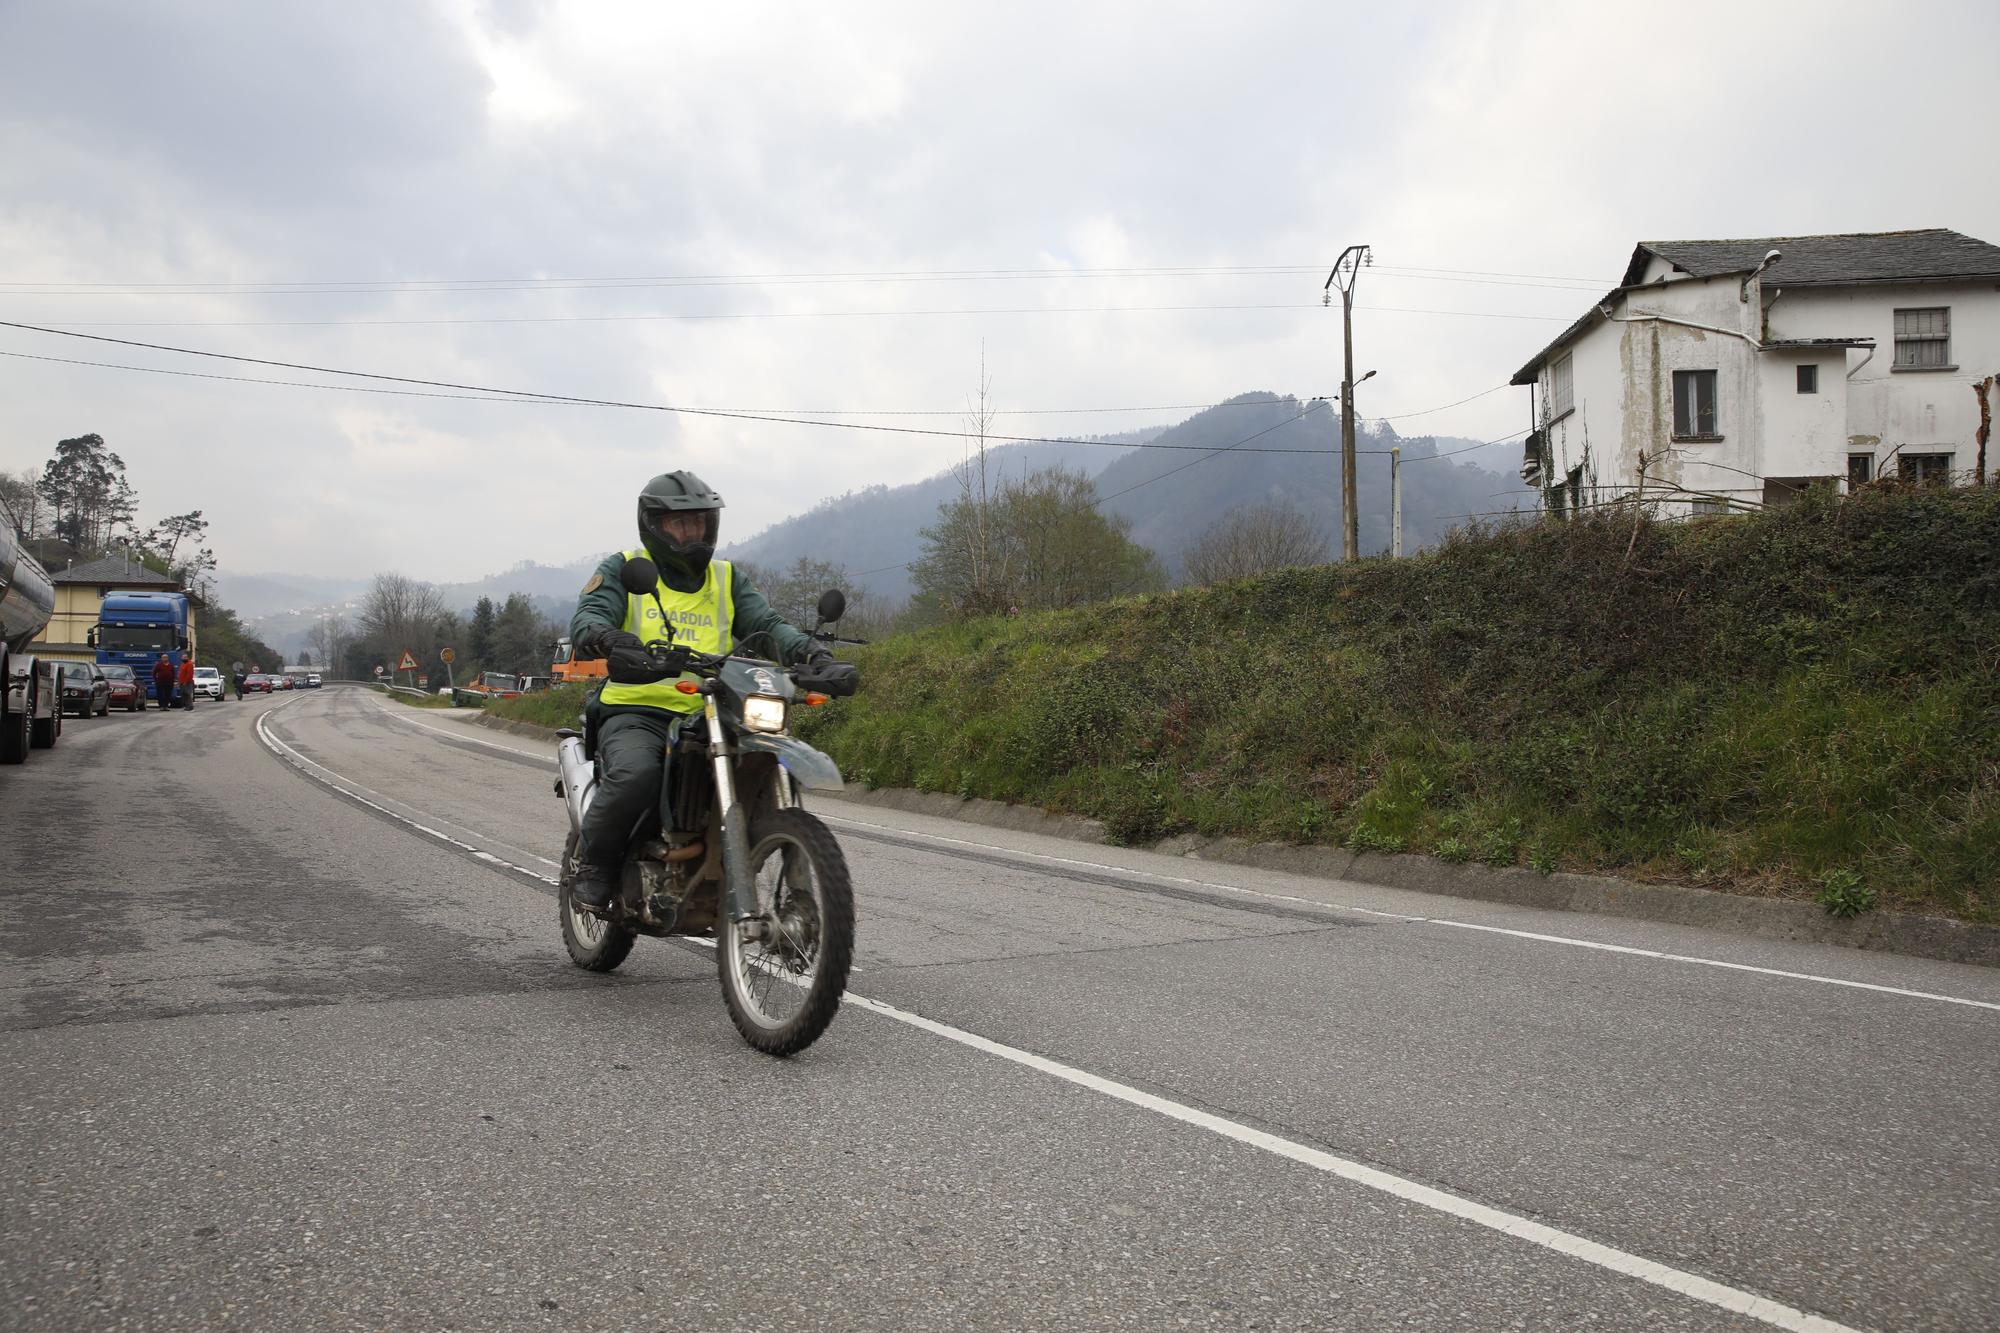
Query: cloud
{"x": 473, "y": 139}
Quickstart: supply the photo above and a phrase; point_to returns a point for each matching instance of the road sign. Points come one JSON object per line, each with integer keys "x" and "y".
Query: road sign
{"x": 424, "y": 681}
{"x": 408, "y": 663}
{"x": 381, "y": 670}
{"x": 448, "y": 655}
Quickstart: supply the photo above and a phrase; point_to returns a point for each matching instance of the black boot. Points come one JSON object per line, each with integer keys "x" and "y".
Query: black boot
{"x": 591, "y": 890}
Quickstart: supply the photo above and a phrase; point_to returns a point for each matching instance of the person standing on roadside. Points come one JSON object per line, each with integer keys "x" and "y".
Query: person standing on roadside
{"x": 163, "y": 681}
{"x": 237, "y": 673}
{"x": 187, "y": 681}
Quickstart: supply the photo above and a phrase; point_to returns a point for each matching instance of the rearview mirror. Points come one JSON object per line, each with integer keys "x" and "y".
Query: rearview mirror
{"x": 639, "y": 575}
{"x": 832, "y": 606}
{"x": 90, "y": 638}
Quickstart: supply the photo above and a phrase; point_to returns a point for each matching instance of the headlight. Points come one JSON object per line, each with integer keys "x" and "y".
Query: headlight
{"x": 763, "y": 714}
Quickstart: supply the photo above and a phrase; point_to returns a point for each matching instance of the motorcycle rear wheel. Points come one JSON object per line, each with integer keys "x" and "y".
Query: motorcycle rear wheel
{"x": 784, "y": 987}
{"x": 594, "y": 944}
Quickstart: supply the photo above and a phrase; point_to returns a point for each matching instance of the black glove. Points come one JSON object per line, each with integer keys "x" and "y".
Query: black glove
{"x": 597, "y": 641}
{"x": 628, "y": 662}
{"x": 823, "y": 672}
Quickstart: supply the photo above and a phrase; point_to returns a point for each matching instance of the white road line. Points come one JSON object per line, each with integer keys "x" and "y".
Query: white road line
{"x": 1694, "y": 1287}
{"x": 328, "y": 778}
{"x": 457, "y": 734}
{"x": 1537, "y": 936}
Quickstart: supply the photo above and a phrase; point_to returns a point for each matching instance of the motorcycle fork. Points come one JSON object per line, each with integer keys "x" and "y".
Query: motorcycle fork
{"x": 739, "y": 894}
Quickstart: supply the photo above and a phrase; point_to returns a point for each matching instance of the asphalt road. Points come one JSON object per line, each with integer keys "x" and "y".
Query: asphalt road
{"x": 286, "y": 1043}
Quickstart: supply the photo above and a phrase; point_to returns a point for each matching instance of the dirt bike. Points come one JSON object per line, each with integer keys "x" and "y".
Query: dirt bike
{"x": 731, "y": 852}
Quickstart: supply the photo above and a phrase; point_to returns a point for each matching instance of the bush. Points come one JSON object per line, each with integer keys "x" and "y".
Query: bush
{"x": 1755, "y": 703}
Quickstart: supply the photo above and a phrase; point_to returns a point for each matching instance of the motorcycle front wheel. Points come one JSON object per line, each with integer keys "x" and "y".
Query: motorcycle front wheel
{"x": 594, "y": 944}
{"x": 785, "y": 968}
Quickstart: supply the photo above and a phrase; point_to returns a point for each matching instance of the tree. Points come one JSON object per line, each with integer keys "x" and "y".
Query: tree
{"x": 87, "y": 493}
{"x": 519, "y": 635}
{"x": 328, "y": 638}
{"x": 479, "y": 634}
{"x": 401, "y": 614}
{"x": 1256, "y": 540}
{"x": 1049, "y": 546}
{"x": 794, "y": 594}
{"x": 23, "y": 497}
{"x": 166, "y": 536}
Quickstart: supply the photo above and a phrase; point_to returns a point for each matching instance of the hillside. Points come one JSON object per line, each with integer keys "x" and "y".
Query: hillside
{"x": 1800, "y": 702}
{"x": 876, "y": 528}
{"x": 1173, "y": 493}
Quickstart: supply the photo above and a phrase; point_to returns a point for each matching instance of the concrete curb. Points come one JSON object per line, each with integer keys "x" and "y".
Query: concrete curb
{"x": 1676, "y": 904}
{"x": 514, "y": 728}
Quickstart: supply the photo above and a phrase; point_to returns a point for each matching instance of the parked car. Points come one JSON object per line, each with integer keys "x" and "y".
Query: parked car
{"x": 208, "y": 681}
{"x": 312, "y": 680}
{"x": 85, "y": 691}
{"x": 256, "y": 683}
{"x": 126, "y": 691}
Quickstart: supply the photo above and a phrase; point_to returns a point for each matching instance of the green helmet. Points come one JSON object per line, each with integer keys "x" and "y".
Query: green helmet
{"x": 672, "y": 493}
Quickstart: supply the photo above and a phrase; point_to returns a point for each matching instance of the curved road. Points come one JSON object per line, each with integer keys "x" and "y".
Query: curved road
{"x": 288, "y": 1039}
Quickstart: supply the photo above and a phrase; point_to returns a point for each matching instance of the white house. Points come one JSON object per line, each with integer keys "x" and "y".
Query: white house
{"x": 1728, "y": 373}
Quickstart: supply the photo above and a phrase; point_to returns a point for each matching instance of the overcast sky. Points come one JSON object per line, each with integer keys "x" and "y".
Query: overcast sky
{"x": 198, "y": 174}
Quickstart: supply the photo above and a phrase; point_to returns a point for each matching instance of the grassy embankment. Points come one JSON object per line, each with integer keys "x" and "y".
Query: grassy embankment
{"x": 1802, "y": 703}
{"x": 414, "y": 700}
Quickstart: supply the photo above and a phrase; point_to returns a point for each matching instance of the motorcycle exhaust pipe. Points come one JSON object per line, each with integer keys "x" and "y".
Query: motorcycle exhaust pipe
{"x": 578, "y": 783}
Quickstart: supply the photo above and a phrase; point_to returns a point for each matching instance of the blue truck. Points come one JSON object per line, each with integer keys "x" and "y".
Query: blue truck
{"x": 137, "y": 629}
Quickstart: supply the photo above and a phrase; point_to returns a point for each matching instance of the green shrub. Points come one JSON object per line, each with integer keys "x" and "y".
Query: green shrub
{"x": 1842, "y": 893}
{"x": 1755, "y": 702}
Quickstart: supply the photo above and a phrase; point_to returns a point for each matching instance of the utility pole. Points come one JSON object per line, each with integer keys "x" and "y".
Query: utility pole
{"x": 1396, "y": 502}
{"x": 1345, "y": 270}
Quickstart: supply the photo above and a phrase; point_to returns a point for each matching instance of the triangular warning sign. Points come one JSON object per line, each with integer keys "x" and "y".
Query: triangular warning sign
{"x": 408, "y": 663}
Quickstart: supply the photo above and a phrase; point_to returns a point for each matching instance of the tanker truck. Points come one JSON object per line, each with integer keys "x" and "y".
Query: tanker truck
{"x": 30, "y": 687}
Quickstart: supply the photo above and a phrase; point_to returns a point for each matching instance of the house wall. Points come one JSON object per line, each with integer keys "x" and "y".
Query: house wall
{"x": 1919, "y": 411}
{"x": 1675, "y": 341}
{"x": 1803, "y": 434}
{"x": 76, "y": 611}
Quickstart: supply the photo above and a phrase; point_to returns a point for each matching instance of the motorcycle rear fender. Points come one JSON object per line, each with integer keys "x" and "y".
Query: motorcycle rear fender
{"x": 809, "y": 766}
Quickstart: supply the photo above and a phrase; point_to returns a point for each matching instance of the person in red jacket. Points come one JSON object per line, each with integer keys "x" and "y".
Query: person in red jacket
{"x": 163, "y": 682}
{"x": 187, "y": 681}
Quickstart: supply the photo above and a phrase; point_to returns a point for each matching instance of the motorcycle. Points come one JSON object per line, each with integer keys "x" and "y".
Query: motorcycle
{"x": 730, "y": 852}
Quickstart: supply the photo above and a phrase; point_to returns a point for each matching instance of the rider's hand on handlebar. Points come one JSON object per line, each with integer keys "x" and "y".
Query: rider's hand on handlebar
{"x": 628, "y": 662}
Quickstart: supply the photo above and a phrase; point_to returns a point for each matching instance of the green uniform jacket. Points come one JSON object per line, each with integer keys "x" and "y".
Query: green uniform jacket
{"x": 603, "y": 604}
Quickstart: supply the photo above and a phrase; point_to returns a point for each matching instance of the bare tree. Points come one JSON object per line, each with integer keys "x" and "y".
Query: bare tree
{"x": 328, "y": 638}
{"x": 1256, "y": 540}
{"x": 985, "y": 555}
{"x": 401, "y": 613}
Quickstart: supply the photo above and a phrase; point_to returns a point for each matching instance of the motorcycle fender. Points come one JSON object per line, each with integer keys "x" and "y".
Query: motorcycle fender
{"x": 809, "y": 766}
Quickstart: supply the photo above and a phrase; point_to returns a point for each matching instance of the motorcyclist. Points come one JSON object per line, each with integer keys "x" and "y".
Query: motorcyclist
{"x": 711, "y": 608}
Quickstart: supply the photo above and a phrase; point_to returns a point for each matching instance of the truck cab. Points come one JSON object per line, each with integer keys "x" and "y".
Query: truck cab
{"x": 137, "y": 629}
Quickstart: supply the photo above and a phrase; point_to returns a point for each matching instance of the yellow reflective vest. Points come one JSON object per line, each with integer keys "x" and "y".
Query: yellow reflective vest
{"x": 700, "y": 621}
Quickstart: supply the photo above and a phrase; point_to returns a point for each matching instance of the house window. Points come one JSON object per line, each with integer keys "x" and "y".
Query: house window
{"x": 1562, "y": 387}
{"x": 1707, "y": 507}
{"x": 1694, "y": 405}
{"x": 1860, "y": 469}
{"x": 1809, "y": 379}
{"x": 1924, "y": 469}
{"x": 1923, "y": 339}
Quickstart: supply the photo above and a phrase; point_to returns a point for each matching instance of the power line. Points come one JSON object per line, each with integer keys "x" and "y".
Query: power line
{"x": 280, "y": 286}
{"x": 486, "y": 393}
{"x": 725, "y": 316}
{"x": 796, "y": 411}
{"x": 524, "y": 395}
